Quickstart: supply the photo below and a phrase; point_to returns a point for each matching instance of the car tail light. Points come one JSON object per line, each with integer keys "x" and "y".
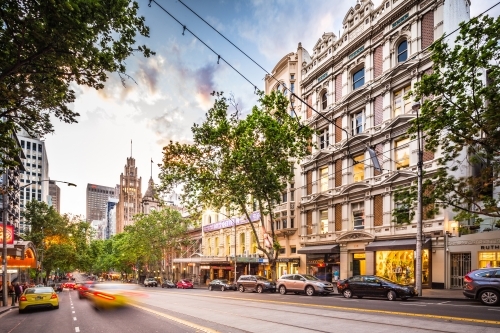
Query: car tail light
{"x": 23, "y": 298}
{"x": 467, "y": 278}
{"x": 108, "y": 297}
{"x": 53, "y": 296}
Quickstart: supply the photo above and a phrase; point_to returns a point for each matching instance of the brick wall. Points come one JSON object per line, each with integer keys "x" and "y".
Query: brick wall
{"x": 309, "y": 103}
{"x": 338, "y": 87}
{"x": 378, "y": 110}
{"x": 427, "y": 29}
{"x": 338, "y": 217}
{"x": 378, "y": 211}
{"x": 309, "y": 177}
{"x": 338, "y": 173}
{"x": 309, "y": 219}
{"x": 338, "y": 131}
{"x": 377, "y": 62}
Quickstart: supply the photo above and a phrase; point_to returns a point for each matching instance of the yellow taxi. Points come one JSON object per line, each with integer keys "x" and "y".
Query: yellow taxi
{"x": 38, "y": 297}
{"x": 112, "y": 295}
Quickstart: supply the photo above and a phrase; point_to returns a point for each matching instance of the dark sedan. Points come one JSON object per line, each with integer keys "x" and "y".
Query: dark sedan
{"x": 222, "y": 285}
{"x": 168, "y": 284}
{"x": 374, "y": 286}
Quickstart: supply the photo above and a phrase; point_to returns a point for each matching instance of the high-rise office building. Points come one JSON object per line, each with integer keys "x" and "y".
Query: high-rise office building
{"x": 36, "y": 174}
{"x": 111, "y": 217}
{"x": 97, "y": 201}
{"x": 55, "y": 196}
{"x": 130, "y": 196}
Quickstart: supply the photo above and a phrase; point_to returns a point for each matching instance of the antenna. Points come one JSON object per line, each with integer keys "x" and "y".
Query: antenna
{"x": 151, "y": 168}
{"x": 130, "y": 147}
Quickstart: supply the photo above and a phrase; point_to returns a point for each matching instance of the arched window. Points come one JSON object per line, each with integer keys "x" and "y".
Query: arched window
{"x": 216, "y": 246}
{"x": 242, "y": 243}
{"x": 228, "y": 245}
{"x": 403, "y": 51}
{"x": 358, "y": 79}
{"x": 324, "y": 100}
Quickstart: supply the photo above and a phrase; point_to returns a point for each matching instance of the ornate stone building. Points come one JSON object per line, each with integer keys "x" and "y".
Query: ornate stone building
{"x": 355, "y": 83}
{"x": 130, "y": 196}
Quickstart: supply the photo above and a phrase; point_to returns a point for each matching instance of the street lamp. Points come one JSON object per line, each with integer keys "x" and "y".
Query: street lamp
{"x": 418, "y": 269}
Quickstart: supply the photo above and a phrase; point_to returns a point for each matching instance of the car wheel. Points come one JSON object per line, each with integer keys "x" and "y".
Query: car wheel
{"x": 241, "y": 288}
{"x": 391, "y": 295}
{"x": 309, "y": 291}
{"x": 222, "y": 289}
{"x": 209, "y": 288}
{"x": 489, "y": 297}
{"x": 347, "y": 293}
{"x": 259, "y": 289}
{"x": 282, "y": 290}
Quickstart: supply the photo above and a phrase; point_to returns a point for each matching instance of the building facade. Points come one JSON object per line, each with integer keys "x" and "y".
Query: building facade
{"x": 97, "y": 201}
{"x": 111, "y": 217}
{"x": 35, "y": 179}
{"x": 355, "y": 84}
{"x": 285, "y": 77}
{"x": 55, "y": 196}
{"x": 130, "y": 196}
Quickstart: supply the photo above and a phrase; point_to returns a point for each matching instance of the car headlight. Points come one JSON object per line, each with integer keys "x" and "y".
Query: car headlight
{"x": 319, "y": 284}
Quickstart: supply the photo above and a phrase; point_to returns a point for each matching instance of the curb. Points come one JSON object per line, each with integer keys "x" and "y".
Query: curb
{"x": 464, "y": 299}
{"x": 7, "y": 308}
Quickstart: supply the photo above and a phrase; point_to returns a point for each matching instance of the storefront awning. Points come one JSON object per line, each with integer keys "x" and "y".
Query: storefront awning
{"x": 331, "y": 248}
{"x": 397, "y": 244}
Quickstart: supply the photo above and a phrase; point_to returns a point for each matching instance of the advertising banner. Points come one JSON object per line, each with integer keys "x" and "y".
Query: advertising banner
{"x": 9, "y": 233}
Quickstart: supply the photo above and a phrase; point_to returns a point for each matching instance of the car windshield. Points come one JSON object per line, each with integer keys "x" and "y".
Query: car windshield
{"x": 260, "y": 278}
{"x": 223, "y": 281}
{"x": 383, "y": 279}
{"x": 39, "y": 290}
{"x": 310, "y": 277}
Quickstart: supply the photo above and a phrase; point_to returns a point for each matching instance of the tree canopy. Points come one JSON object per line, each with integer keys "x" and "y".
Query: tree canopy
{"x": 238, "y": 164}
{"x": 460, "y": 119}
{"x": 47, "y": 46}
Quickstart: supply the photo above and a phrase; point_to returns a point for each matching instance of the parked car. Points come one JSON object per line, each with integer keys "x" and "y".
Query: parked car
{"x": 38, "y": 297}
{"x": 69, "y": 285}
{"x": 483, "y": 285}
{"x": 374, "y": 286}
{"x": 255, "y": 283}
{"x": 303, "y": 283}
{"x": 184, "y": 284}
{"x": 222, "y": 285}
{"x": 150, "y": 282}
{"x": 167, "y": 284}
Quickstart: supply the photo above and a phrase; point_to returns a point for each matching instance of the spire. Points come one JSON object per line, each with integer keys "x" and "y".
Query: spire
{"x": 130, "y": 147}
{"x": 151, "y": 168}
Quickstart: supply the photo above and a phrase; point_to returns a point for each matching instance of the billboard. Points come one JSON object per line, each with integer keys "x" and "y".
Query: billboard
{"x": 9, "y": 234}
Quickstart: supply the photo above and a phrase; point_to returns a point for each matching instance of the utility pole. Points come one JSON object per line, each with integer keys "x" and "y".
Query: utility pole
{"x": 418, "y": 248}
{"x": 4, "y": 239}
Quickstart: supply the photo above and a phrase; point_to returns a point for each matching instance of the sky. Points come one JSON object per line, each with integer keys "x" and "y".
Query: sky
{"x": 171, "y": 90}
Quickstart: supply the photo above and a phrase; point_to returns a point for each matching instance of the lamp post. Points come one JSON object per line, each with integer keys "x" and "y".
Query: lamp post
{"x": 418, "y": 268}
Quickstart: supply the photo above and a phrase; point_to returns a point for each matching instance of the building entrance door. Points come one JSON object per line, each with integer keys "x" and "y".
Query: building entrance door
{"x": 358, "y": 264}
{"x": 459, "y": 266}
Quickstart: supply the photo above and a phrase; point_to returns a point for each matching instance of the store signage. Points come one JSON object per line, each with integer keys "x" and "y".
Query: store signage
{"x": 255, "y": 216}
{"x": 9, "y": 234}
{"x": 355, "y": 53}
{"x": 322, "y": 77}
{"x": 204, "y": 267}
{"x": 400, "y": 20}
{"x": 191, "y": 264}
{"x": 9, "y": 271}
{"x": 294, "y": 260}
{"x": 490, "y": 247}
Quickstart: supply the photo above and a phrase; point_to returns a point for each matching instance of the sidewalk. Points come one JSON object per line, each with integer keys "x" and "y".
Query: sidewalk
{"x": 9, "y": 307}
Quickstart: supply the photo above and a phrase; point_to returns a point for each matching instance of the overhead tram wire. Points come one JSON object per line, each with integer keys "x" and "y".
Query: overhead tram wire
{"x": 219, "y": 57}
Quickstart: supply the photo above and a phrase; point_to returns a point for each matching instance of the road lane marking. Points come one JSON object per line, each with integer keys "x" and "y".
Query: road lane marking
{"x": 74, "y": 318}
{"x": 413, "y": 304}
{"x": 178, "y": 320}
{"x": 397, "y": 313}
{"x": 72, "y": 311}
{"x": 77, "y": 329}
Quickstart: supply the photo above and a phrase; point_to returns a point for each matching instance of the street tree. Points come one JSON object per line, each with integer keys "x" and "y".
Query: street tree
{"x": 460, "y": 119}
{"x": 239, "y": 164}
{"x": 49, "y": 45}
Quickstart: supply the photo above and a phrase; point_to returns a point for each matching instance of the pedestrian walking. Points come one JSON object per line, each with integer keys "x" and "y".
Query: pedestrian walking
{"x": 18, "y": 291}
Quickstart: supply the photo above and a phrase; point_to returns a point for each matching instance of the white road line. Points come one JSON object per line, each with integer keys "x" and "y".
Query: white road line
{"x": 493, "y": 309}
{"x": 74, "y": 318}
{"x": 72, "y": 311}
{"x": 77, "y": 329}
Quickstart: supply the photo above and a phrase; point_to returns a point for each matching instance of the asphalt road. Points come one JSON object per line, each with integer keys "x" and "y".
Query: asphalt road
{"x": 199, "y": 310}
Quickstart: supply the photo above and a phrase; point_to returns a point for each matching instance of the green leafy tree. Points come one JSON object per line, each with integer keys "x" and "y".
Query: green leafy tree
{"x": 47, "y": 46}
{"x": 460, "y": 117}
{"x": 239, "y": 164}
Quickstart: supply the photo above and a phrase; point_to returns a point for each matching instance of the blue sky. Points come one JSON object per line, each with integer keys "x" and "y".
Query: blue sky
{"x": 172, "y": 89}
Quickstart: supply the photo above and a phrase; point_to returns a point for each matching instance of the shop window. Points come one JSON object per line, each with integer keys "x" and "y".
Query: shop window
{"x": 358, "y": 79}
{"x": 399, "y": 266}
{"x": 357, "y": 123}
{"x": 401, "y": 105}
{"x": 402, "y": 152}
{"x": 358, "y": 215}
{"x": 324, "y": 221}
{"x": 489, "y": 259}
{"x": 402, "y": 51}
{"x": 358, "y": 169}
{"x": 324, "y": 100}
{"x": 324, "y": 138}
{"x": 323, "y": 179}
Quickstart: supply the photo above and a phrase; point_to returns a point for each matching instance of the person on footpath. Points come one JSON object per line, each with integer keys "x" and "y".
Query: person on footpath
{"x": 18, "y": 291}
